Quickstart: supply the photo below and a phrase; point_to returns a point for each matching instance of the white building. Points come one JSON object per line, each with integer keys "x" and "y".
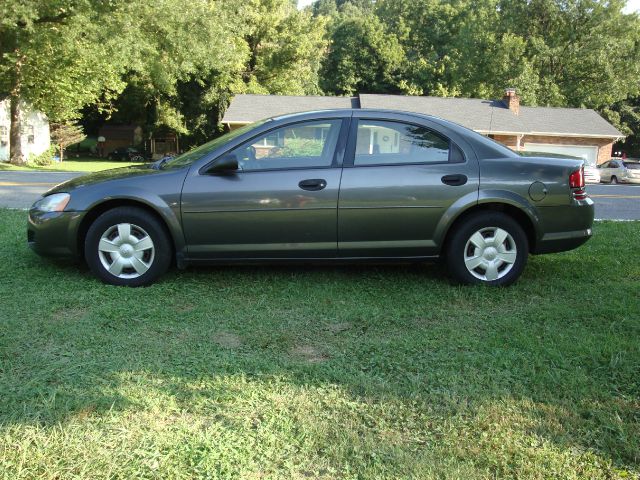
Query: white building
{"x": 35, "y": 131}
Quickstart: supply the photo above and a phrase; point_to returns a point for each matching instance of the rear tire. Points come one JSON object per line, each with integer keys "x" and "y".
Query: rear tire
{"x": 614, "y": 180}
{"x": 127, "y": 246}
{"x": 488, "y": 248}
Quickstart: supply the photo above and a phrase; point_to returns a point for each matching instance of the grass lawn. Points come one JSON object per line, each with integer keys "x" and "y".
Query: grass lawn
{"x": 353, "y": 372}
{"x": 75, "y": 165}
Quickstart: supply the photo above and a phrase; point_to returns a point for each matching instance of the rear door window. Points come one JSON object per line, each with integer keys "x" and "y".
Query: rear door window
{"x": 393, "y": 143}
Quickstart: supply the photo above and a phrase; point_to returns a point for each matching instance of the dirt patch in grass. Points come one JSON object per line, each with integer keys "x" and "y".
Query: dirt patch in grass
{"x": 309, "y": 354}
{"x": 227, "y": 340}
{"x": 336, "y": 328}
{"x": 68, "y": 314}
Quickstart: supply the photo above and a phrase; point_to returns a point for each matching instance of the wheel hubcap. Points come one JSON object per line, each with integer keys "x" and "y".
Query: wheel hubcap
{"x": 490, "y": 253}
{"x": 126, "y": 250}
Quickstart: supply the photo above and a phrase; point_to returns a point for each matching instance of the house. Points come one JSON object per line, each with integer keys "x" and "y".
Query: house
{"x": 111, "y": 137}
{"x": 579, "y": 132}
{"x": 34, "y": 136}
{"x": 161, "y": 143}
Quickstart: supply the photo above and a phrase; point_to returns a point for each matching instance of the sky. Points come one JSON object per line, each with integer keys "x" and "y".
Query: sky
{"x": 304, "y": 3}
{"x": 632, "y": 5}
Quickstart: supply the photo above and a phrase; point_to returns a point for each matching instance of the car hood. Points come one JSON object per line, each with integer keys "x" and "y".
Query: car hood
{"x": 104, "y": 176}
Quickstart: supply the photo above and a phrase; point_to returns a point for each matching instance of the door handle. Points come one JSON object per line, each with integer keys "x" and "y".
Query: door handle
{"x": 313, "y": 184}
{"x": 454, "y": 180}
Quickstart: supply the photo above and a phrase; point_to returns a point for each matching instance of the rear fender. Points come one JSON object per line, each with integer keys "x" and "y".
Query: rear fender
{"x": 485, "y": 197}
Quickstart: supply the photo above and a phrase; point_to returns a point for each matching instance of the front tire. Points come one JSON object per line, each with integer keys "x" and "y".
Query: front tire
{"x": 127, "y": 246}
{"x": 614, "y": 180}
{"x": 488, "y": 248}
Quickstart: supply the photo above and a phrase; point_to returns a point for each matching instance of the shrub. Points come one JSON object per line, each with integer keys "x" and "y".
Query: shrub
{"x": 43, "y": 159}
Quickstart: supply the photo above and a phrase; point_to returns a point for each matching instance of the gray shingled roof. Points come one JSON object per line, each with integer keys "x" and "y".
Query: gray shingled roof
{"x": 486, "y": 116}
{"x": 251, "y": 108}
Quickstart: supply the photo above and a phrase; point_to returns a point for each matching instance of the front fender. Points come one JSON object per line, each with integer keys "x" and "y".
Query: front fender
{"x": 167, "y": 206}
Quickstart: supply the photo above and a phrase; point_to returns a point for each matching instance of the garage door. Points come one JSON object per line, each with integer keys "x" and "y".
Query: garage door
{"x": 589, "y": 154}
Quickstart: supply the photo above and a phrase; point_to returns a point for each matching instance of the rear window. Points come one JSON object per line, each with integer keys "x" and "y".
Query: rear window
{"x": 632, "y": 165}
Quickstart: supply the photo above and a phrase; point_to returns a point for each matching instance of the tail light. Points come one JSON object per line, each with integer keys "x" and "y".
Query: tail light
{"x": 576, "y": 183}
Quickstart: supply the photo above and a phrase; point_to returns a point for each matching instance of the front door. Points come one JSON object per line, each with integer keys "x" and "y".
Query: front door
{"x": 398, "y": 181}
{"x": 281, "y": 203}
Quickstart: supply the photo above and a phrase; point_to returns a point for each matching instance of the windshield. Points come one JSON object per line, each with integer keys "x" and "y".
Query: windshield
{"x": 197, "y": 153}
{"x": 632, "y": 165}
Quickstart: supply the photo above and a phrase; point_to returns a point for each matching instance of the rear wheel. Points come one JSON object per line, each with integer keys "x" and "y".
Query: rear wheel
{"x": 614, "y": 180}
{"x": 127, "y": 246}
{"x": 487, "y": 248}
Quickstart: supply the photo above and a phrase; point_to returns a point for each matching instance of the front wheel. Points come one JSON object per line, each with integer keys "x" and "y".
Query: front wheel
{"x": 127, "y": 246}
{"x": 487, "y": 248}
{"x": 614, "y": 180}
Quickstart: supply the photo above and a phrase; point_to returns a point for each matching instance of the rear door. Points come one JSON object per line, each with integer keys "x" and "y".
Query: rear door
{"x": 399, "y": 179}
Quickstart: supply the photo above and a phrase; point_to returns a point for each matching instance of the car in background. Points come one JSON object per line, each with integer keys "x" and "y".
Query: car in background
{"x": 129, "y": 154}
{"x": 325, "y": 186}
{"x": 591, "y": 174}
{"x": 618, "y": 170}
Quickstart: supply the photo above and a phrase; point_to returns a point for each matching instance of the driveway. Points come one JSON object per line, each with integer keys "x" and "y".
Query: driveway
{"x": 21, "y": 189}
{"x": 616, "y": 202}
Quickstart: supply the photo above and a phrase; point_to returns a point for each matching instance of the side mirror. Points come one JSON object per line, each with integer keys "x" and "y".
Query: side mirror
{"x": 224, "y": 165}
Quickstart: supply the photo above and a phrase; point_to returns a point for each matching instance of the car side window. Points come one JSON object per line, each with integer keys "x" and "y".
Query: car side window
{"x": 387, "y": 143}
{"x": 300, "y": 145}
{"x": 613, "y": 165}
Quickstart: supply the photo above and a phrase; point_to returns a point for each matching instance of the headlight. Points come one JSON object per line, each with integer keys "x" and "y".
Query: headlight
{"x": 53, "y": 203}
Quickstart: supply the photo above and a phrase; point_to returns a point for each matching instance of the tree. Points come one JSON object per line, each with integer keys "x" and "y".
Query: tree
{"x": 58, "y": 56}
{"x": 65, "y": 134}
{"x": 184, "y": 81}
{"x": 363, "y": 57}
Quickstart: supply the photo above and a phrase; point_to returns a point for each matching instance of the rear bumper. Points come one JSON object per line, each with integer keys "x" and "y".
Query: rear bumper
{"x": 54, "y": 234}
{"x": 565, "y": 227}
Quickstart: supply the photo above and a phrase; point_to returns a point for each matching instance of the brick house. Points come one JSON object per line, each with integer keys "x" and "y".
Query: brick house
{"x": 579, "y": 132}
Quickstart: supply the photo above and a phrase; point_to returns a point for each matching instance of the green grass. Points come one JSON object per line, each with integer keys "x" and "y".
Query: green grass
{"x": 322, "y": 371}
{"x": 76, "y": 165}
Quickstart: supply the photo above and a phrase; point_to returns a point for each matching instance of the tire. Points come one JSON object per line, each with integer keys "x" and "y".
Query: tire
{"x": 614, "y": 180}
{"x": 112, "y": 244}
{"x": 472, "y": 257}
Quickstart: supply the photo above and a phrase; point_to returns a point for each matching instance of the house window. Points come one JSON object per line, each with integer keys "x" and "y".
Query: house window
{"x": 28, "y": 131}
{"x": 4, "y": 136}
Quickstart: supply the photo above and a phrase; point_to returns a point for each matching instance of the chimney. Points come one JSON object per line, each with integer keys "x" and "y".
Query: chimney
{"x": 512, "y": 100}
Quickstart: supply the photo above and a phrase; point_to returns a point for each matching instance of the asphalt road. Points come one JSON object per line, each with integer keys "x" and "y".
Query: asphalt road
{"x": 21, "y": 189}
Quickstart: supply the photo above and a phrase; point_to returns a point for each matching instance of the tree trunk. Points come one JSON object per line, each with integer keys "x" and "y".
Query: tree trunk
{"x": 15, "y": 137}
{"x": 61, "y": 152}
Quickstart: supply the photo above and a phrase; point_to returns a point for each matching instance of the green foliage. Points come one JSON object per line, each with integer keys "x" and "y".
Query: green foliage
{"x": 300, "y": 147}
{"x": 364, "y": 57}
{"x": 354, "y": 372}
{"x": 43, "y": 159}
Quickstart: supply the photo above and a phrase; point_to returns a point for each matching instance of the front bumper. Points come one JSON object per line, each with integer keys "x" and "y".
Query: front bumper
{"x": 634, "y": 180}
{"x": 54, "y": 234}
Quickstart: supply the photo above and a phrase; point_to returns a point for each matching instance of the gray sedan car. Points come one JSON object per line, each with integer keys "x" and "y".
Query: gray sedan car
{"x": 618, "y": 170}
{"x": 335, "y": 185}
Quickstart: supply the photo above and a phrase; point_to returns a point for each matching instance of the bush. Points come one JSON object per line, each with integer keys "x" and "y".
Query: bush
{"x": 43, "y": 159}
